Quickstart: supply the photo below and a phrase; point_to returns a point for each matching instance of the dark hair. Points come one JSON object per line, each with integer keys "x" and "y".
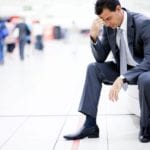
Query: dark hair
{"x": 109, "y": 4}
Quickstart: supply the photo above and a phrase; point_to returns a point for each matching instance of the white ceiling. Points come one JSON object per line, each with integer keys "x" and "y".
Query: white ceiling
{"x": 81, "y": 11}
{"x": 48, "y": 7}
{"x": 61, "y": 8}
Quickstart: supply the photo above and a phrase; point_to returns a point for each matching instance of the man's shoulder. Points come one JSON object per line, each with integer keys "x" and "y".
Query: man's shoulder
{"x": 139, "y": 20}
{"x": 138, "y": 16}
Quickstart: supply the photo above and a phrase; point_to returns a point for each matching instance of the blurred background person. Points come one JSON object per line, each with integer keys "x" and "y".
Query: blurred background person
{"x": 3, "y": 35}
{"x": 23, "y": 32}
{"x": 10, "y": 39}
{"x": 38, "y": 35}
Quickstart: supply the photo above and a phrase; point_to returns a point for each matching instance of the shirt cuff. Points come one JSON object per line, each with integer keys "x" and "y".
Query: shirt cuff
{"x": 123, "y": 78}
{"x": 92, "y": 40}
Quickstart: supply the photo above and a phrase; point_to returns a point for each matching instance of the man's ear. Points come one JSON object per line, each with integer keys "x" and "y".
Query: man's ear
{"x": 118, "y": 8}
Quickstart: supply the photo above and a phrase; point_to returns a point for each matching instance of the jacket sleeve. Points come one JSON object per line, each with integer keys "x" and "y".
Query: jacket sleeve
{"x": 144, "y": 66}
{"x": 101, "y": 48}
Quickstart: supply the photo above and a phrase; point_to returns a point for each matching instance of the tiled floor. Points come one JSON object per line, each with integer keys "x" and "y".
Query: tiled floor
{"x": 39, "y": 102}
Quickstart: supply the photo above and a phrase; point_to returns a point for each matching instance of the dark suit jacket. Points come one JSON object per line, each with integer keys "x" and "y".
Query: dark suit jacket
{"x": 138, "y": 35}
{"x": 23, "y": 31}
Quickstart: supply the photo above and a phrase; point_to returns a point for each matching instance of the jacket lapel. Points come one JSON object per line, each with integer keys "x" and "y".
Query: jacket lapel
{"x": 113, "y": 40}
{"x": 130, "y": 31}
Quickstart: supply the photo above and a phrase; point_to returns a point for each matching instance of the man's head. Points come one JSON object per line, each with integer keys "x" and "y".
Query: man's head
{"x": 110, "y": 12}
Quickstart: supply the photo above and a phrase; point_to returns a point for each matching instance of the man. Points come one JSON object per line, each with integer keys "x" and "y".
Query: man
{"x": 3, "y": 34}
{"x": 127, "y": 35}
{"x": 24, "y": 32}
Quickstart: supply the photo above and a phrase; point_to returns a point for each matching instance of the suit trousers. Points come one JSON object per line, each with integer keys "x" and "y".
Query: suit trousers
{"x": 97, "y": 73}
{"x": 1, "y": 51}
{"x": 144, "y": 99}
{"x": 107, "y": 72}
{"x": 22, "y": 43}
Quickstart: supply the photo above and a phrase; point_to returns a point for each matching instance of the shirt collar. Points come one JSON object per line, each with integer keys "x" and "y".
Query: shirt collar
{"x": 124, "y": 23}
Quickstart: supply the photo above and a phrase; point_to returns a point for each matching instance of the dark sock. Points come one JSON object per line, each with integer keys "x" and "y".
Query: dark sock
{"x": 90, "y": 121}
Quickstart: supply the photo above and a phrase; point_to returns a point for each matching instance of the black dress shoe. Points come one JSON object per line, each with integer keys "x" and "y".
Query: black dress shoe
{"x": 91, "y": 132}
{"x": 144, "y": 135}
{"x": 144, "y": 139}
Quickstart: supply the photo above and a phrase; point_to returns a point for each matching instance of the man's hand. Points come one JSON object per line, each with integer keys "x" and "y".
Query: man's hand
{"x": 95, "y": 28}
{"x": 115, "y": 89}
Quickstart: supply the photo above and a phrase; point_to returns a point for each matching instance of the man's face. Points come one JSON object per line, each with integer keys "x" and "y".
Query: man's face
{"x": 112, "y": 19}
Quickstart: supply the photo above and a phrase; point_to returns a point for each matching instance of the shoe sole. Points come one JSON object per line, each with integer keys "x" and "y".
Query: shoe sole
{"x": 89, "y": 136}
{"x": 93, "y": 136}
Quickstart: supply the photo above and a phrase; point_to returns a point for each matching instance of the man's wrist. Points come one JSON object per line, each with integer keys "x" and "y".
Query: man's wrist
{"x": 124, "y": 80}
{"x": 94, "y": 40}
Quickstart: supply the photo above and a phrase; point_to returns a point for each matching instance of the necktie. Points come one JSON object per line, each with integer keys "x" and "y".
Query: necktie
{"x": 123, "y": 56}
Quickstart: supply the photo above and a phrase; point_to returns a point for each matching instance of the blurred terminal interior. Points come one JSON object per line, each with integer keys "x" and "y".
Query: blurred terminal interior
{"x": 56, "y": 16}
{"x": 59, "y": 16}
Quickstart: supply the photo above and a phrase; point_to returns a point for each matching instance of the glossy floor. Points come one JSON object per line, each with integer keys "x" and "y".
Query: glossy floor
{"x": 40, "y": 97}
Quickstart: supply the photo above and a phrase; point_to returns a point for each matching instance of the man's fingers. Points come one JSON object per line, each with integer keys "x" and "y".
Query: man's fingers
{"x": 115, "y": 89}
{"x": 113, "y": 94}
{"x": 116, "y": 95}
{"x": 99, "y": 22}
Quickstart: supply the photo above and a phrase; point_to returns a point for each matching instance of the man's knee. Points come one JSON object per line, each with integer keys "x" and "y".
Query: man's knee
{"x": 91, "y": 67}
{"x": 144, "y": 79}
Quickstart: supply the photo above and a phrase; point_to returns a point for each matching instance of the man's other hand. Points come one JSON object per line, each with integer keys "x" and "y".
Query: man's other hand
{"x": 95, "y": 28}
{"x": 115, "y": 89}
